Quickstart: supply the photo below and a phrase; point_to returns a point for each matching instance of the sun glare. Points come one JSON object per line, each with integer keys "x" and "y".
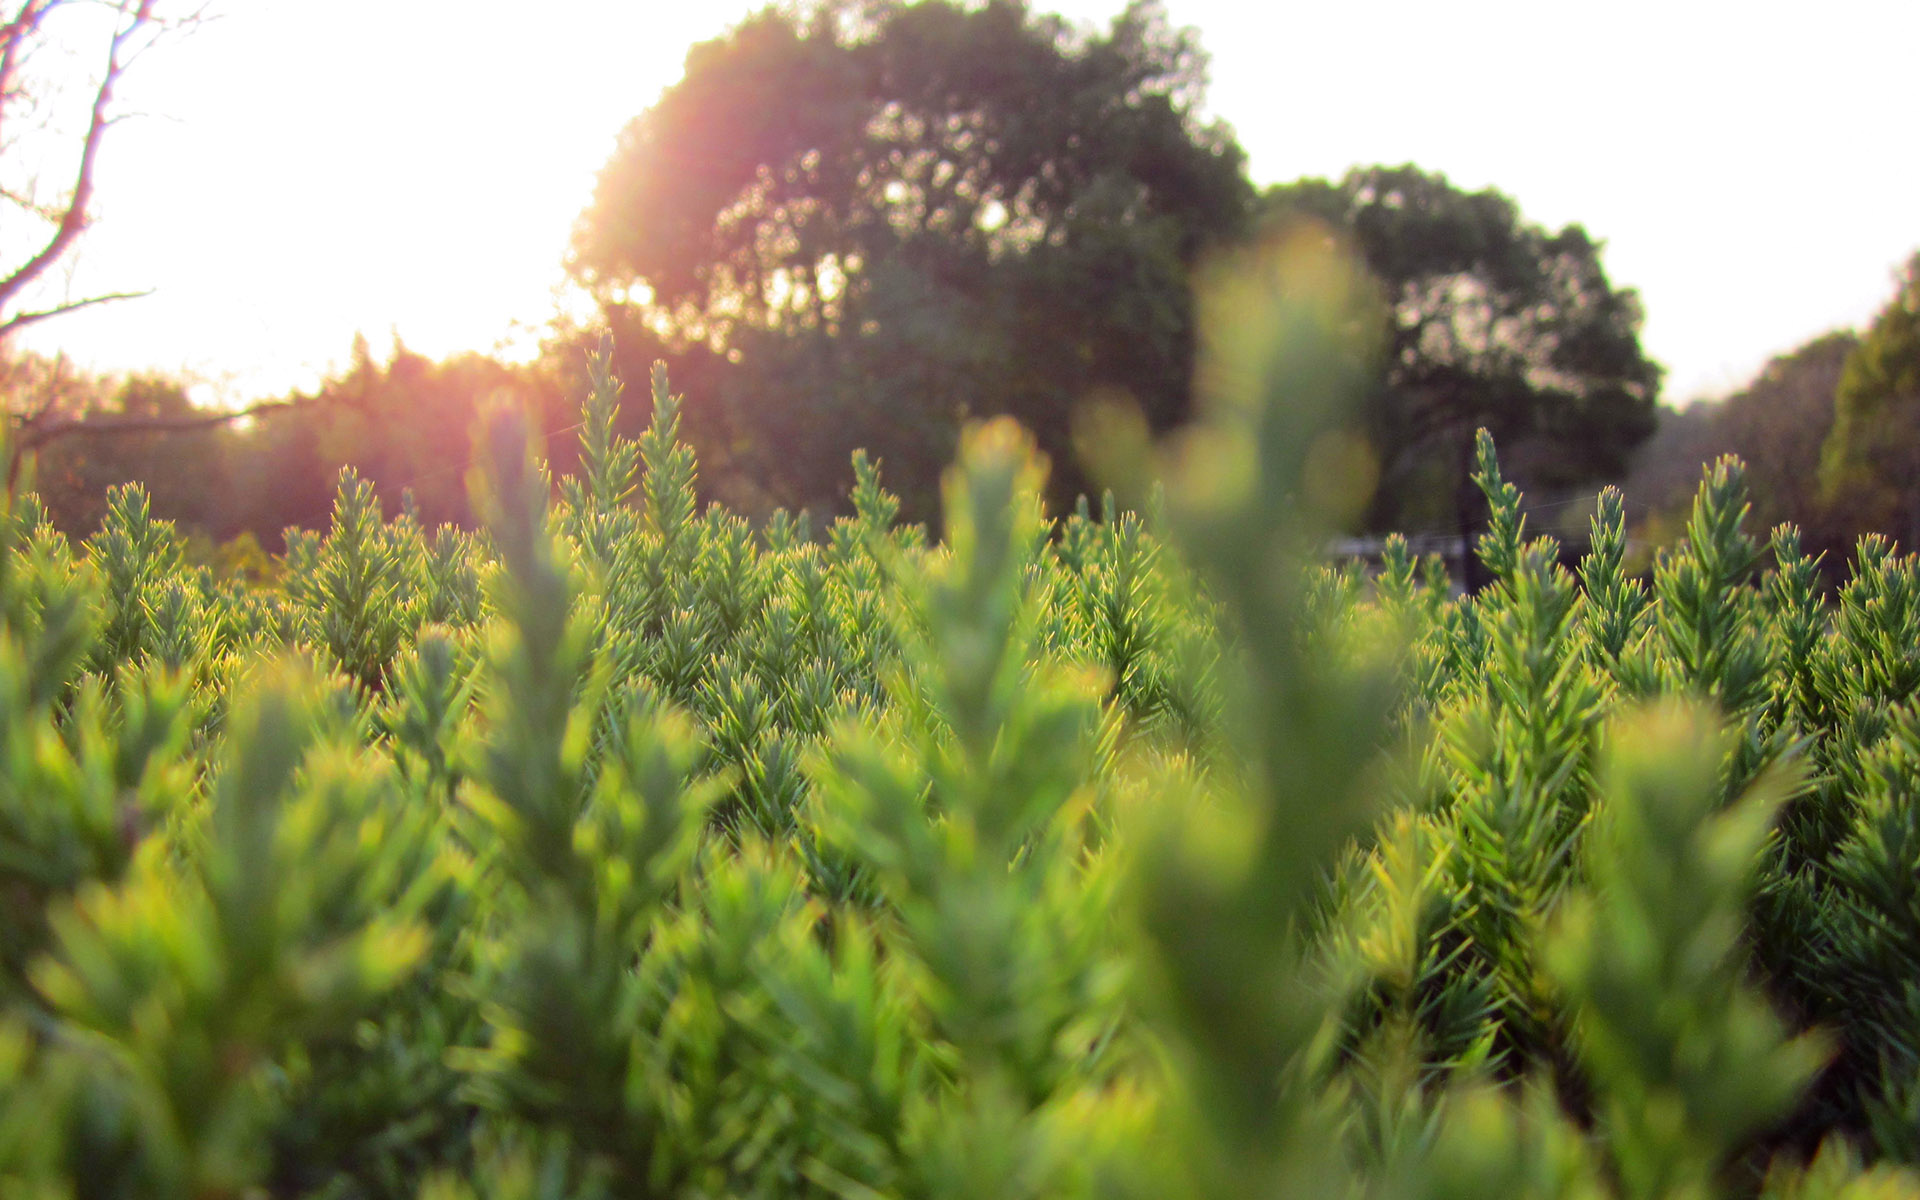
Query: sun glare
{"x": 391, "y": 167}
{"x": 368, "y": 168}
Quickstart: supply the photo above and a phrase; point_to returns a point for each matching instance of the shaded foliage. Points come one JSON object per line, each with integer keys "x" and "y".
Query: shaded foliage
{"x": 1871, "y": 460}
{"x": 1490, "y": 322}
{"x": 1777, "y": 424}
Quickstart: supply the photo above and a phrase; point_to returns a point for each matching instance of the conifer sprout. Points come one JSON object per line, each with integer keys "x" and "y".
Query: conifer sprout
{"x": 1227, "y": 874}
{"x": 1688, "y": 1060}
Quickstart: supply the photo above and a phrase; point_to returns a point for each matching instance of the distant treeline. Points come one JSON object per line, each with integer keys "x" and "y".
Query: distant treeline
{"x": 861, "y": 233}
{"x": 1830, "y": 432}
{"x": 405, "y": 423}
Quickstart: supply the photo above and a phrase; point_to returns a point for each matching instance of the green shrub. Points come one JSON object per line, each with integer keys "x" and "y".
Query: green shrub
{"x": 624, "y": 849}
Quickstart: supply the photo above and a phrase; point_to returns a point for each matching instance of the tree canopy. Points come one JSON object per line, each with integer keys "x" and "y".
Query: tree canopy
{"x": 1493, "y": 322}
{"x": 1871, "y": 462}
{"x": 1776, "y": 424}
{"x": 854, "y": 225}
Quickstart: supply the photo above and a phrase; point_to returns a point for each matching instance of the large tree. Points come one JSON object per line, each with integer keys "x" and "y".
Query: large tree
{"x": 1492, "y": 321}
{"x": 856, "y": 226}
{"x": 1871, "y": 462}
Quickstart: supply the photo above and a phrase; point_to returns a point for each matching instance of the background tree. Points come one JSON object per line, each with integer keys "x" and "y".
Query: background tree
{"x": 1777, "y": 425}
{"x": 852, "y": 227}
{"x": 46, "y": 166}
{"x": 404, "y": 424}
{"x": 1870, "y": 466}
{"x": 1493, "y": 321}
{"x": 62, "y": 63}
{"x": 187, "y": 473}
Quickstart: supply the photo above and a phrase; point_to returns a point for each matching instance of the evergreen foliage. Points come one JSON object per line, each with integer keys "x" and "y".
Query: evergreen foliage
{"x": 629, "y": 850}
{"x": 1867, "y": 464}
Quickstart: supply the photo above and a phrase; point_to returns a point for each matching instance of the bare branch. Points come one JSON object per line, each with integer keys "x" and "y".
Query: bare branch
{"x": 30, "y": 434}
{"x": 25, "y": 201}
{"x": 74, "y": 220}
{"x": 12, "y": 36}
{"x": 20, "y": 320}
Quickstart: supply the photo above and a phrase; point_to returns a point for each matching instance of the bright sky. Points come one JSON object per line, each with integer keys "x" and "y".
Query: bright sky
{"x": 313, "y": 170}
